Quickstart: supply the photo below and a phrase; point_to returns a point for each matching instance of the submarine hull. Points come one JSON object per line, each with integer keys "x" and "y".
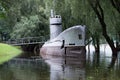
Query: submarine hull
{"x": 71, "y": 51}
{"x": 71, "y": 42}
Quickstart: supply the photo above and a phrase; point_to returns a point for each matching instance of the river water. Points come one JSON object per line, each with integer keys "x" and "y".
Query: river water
{"x": 63, "y": 68}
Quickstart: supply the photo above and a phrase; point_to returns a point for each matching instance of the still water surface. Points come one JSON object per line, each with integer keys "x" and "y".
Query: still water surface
{"x": 61, "y": 68}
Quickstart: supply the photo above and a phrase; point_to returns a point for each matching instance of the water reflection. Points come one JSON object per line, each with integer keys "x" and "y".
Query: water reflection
{"x": 66, "y": 68}
{"x": 83, "y": 67}
{"x": 101, "y": 67}
{"x": 24, "y": 69}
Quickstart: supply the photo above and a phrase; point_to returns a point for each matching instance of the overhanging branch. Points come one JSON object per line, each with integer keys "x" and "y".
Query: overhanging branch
{"x": 116, "y": 4}
{"x": 100, "y": 14}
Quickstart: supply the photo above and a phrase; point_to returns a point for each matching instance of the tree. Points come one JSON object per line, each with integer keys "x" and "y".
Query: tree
{"x": 33, "y": 20}
{"x": 116, "y": 4}
{"x": 96, "y": 6}
{"x": 21, "y": 16}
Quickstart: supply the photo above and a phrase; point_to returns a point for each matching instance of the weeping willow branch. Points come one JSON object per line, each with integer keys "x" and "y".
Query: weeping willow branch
{"x": 95, "y": 4}
{"x": 116, "y": 4}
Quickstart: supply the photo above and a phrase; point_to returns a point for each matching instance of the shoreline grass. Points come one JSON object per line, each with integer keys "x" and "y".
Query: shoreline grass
{"x": 8, "y": 52}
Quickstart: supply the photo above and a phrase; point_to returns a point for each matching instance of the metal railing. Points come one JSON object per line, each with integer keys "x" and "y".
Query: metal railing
{"x": 27, "y": 40}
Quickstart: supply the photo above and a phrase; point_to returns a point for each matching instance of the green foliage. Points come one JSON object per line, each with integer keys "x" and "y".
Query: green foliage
{"x": 28, "y": 18}
{"x": 28, "y": 27}
{"x": 24, "y": 18}
{"x": 7, "y": 52}
{"x": 25, "y": 25}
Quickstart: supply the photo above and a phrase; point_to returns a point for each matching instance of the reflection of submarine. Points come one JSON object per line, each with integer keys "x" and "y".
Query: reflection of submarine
{"x": 66, "y": 68}
{"x": 69, "y": 42}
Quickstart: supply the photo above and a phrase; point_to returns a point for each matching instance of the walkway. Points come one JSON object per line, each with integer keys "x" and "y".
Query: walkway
{"x": 27, "y": 40}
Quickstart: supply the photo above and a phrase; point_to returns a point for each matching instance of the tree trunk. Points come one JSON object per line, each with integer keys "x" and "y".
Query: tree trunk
{"x": 116, "y": 4}
{"x": 110, "y": 42}
{"x": 112, "y": 62}
{"x": 118, "y": 43}
{"x": 100, "y": 14}
{"x": 97, "y": 45}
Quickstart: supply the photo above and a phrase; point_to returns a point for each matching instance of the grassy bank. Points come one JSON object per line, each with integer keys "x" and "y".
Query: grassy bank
{"x": 8, "y": 52}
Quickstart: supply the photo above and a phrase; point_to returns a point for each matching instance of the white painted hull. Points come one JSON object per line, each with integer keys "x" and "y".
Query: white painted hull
{"x": 70, "y": 42}
{"x": 68, "y": 51}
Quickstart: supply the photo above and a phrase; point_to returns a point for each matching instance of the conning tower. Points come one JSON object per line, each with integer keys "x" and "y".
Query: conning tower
{"x": 55, "y": 25}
